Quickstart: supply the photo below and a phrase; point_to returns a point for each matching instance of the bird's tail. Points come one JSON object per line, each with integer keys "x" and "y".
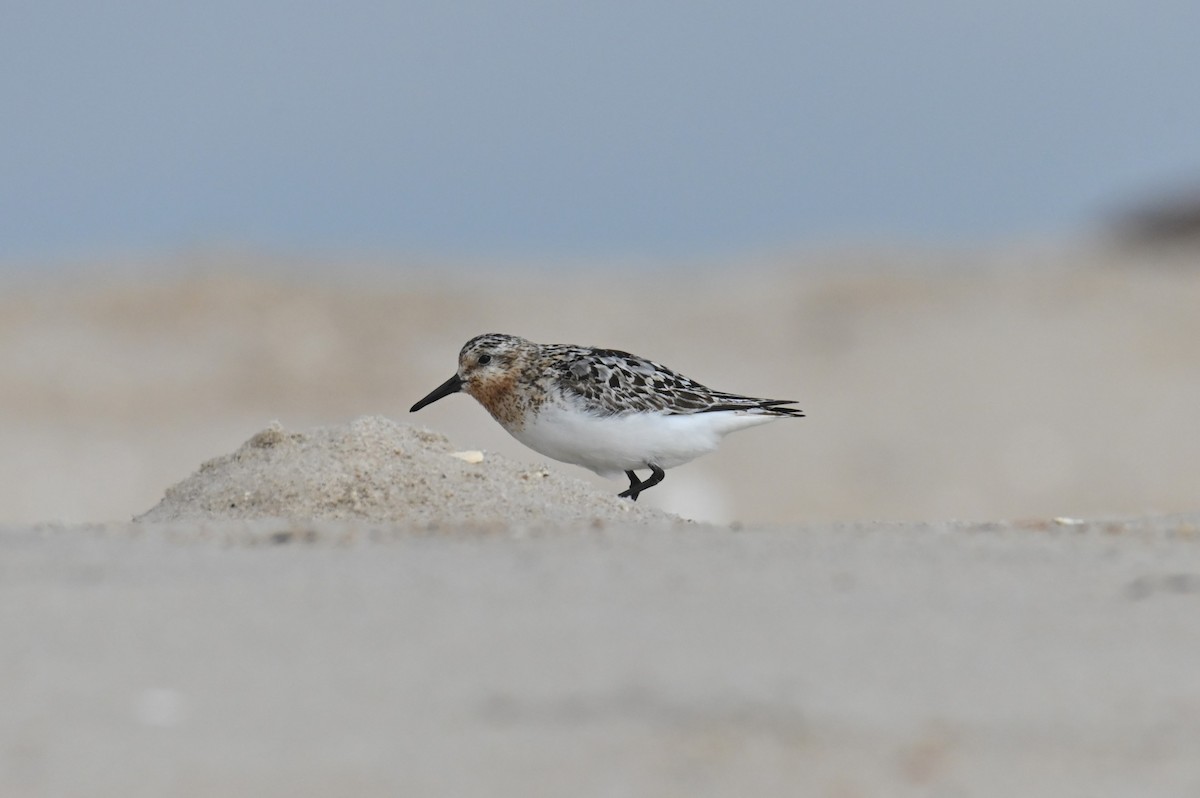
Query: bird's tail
{"x": 766, "y": 407}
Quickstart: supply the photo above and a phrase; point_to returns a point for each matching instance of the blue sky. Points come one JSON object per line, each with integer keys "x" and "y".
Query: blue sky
{"x": 593, "y": 129}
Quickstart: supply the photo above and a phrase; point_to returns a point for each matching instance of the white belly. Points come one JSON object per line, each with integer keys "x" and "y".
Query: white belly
{"x": 611, "y": 445}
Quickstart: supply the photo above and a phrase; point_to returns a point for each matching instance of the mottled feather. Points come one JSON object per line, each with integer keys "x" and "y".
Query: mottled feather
{"x": 610, "y": 382}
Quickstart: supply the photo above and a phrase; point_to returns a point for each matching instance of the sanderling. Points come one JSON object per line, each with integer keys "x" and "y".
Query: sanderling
{"x": 602, "y": 409}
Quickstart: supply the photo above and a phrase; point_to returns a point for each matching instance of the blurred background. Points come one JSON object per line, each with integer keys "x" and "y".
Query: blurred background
{"x": 963, "y": 236}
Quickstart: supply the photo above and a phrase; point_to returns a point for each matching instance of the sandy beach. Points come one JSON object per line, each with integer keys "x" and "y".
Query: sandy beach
{"x": 322, "y": 594}
{"x": 285, "y": 659}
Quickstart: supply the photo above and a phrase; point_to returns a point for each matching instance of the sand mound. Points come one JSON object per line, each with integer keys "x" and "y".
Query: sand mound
{"x": 375, "y": 469}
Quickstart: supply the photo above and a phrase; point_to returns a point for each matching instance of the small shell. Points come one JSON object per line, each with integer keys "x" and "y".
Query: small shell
{"x": 471, "y": 456}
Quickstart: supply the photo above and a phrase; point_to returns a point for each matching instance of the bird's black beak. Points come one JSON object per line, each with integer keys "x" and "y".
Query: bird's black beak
{"x": 452, "y": 385}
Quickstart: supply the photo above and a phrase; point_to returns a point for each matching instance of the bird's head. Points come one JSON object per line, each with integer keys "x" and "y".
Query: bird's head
{"x": 487, "y": 368}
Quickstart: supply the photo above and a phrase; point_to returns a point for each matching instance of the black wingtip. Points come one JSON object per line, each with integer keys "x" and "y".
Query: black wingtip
{"x": 772, "y": 406}
{"x": 775, "y": 407}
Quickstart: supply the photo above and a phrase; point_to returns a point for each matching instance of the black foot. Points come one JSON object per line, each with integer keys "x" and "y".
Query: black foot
{"x": 636, "y": 486}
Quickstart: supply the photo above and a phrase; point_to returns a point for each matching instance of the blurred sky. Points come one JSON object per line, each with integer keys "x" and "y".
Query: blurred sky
{"x": 649, "y": 128}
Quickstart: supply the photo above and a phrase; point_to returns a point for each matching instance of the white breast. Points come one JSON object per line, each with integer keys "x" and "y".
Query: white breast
{"x": 610, "y": 445}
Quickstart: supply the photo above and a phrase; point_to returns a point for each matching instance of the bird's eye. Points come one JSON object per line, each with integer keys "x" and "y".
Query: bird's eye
{"x": 485, "y": 359}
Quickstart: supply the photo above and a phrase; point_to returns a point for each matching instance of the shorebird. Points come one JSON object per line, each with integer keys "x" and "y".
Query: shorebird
{"x": 603, "y": 409}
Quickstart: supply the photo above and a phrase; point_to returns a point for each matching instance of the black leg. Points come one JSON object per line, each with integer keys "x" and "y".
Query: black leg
{"x": 636, "y": 486}
{"x": 656, "y": 476}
